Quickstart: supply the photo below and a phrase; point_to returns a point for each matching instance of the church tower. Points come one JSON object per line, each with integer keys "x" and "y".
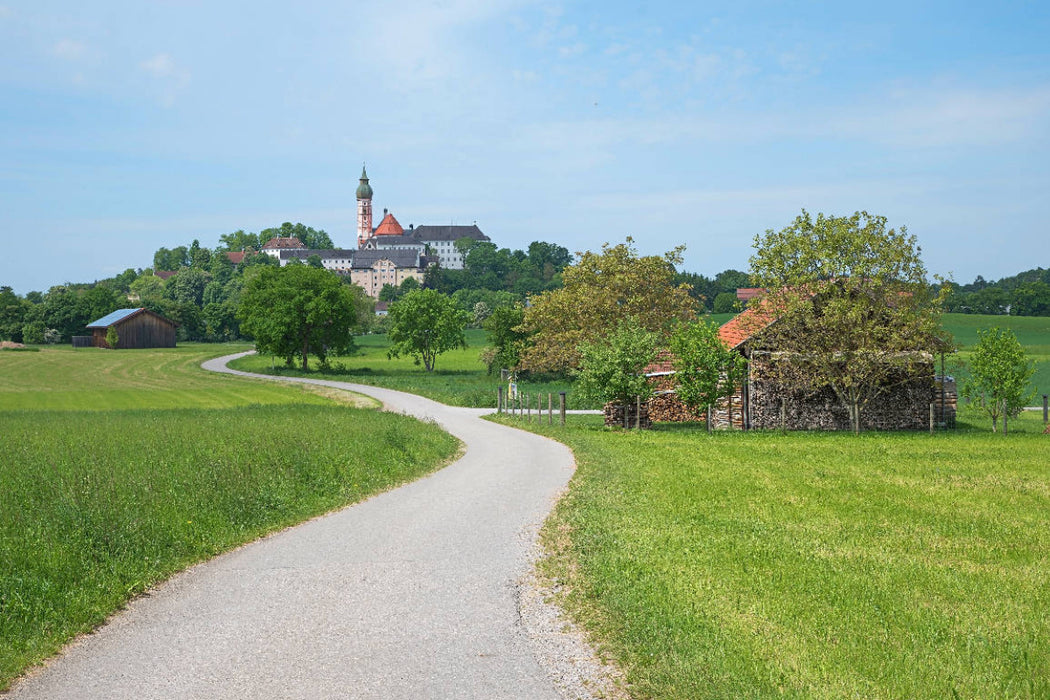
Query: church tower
{"x": 364, "y": 210}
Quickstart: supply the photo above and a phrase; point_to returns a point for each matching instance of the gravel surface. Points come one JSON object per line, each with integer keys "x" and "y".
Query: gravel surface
{"x": 425, "y": 591}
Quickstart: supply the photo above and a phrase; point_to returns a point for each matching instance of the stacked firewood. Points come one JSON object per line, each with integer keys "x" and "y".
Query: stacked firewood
{"x": 667, "y": 408}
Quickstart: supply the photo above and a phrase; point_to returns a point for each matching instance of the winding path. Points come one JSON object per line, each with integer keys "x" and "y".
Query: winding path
{"x": 410, "y": 594}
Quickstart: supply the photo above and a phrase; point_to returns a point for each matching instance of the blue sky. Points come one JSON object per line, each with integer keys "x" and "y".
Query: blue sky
{"x": 125, "y": 126}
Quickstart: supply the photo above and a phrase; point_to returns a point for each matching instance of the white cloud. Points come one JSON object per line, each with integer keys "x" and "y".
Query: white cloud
{"x": 169, "y": 78}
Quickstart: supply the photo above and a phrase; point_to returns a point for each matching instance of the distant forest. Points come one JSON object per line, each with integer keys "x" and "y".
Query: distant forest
{"x": 1024, "y": 294}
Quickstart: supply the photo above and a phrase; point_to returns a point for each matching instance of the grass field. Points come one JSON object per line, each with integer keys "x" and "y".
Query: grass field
{"x": 1033, "y": 332}
{"x": 120, "y": 468}
{"x": 810, "y": 564}
{"x": 459, "y": 378}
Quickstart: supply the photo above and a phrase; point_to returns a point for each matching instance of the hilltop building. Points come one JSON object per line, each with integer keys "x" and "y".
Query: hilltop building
{"x": 386, "y": 254}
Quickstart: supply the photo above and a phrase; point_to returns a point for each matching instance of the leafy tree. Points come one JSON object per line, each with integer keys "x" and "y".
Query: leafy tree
{"x": 1031, "y": 299}
{"x": 504, "y": 337}
{"x": 601, "y": 289}
{"x": 187, "y": 286}
{"x": 165, "y": 259}
{"x": 613, "y": 368}
{"x": 296, "y": 311}
{"x": 856, "y": 312}
{"x": 13, "y": 310}
{"x": 726, "y": 303}
{"x": 999, "y": 374}
{"x": 238, "y": 241}
{"x": 388, "y": 293}
{"x": 425, "y": 323}
{"x": 148, "y": 288}
{"x": 33, "y": 333}
{"x": 199, "y": 258}
{"x": 112, "y": 337}
{"x": 706, "y": 370}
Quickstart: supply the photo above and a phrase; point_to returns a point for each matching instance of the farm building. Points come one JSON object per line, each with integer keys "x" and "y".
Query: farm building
{"x": 763, "y": 403}
{"x": 136, "y": 328}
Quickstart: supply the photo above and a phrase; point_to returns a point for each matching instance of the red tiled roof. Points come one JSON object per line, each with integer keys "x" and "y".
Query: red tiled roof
{"x": 389, "y": 227}
{"x": 236, "y": 258}
{"x": 285, "y": 243}
{"x": 749, "y": 293}
{"x": 739, "y": 329}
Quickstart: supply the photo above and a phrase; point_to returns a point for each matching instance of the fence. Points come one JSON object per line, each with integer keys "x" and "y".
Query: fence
{"x": 519, "y": 404}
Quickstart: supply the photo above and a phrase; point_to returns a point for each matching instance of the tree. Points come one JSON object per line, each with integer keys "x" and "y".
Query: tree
{"x": 238, "y": 241}
{"x": 296, "y": 311}
{"x": 112, "y": 337}
{"x": 504, "y": 337}
{"x": 313, "y": 239}
{"x": 613, "y": 368}
{"x": 13, "y": 310}
{"x": 706, "y": 370}
{"x": 726, "y": 303}
{"x": 601, "y": 289}
{"x": 425, "y": 323}
{"x": 855, "y": 311}
{"x": 999, "y": 374}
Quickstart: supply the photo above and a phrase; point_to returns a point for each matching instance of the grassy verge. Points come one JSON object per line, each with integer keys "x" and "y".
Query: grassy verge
{"x": 98, "y": 505}
{"x": 810, "y": 565}
{"x": 460, "y": 378}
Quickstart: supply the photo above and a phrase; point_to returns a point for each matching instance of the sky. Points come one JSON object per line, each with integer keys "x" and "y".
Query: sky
{"x": 130, "y": 126}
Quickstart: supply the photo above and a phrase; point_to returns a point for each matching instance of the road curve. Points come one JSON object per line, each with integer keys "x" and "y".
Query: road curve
{"x": 410, "y": 594}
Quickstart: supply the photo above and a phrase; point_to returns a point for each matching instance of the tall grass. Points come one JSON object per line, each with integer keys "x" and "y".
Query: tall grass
{"x": 811, "y": 565}
{"x": 97, "y": 506}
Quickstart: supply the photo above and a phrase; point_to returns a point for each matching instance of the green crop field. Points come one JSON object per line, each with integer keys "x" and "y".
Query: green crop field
{"x": 1033, "y": 332}
{"x": 810, "y": 564}
{"x": 121, "y": 468}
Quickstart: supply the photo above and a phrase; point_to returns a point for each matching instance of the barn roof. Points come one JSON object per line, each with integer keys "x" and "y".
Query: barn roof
{"x": 121, "y": 315}
{"x": 114, "y": 318}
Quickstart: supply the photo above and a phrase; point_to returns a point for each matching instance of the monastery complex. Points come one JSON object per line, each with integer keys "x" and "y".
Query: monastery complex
{"x": 385, "y": 254}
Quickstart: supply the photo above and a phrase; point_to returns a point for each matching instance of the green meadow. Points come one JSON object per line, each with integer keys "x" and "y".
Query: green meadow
{"x": 121, "y": 468}
{"x": 809, "y": 565}
{"x": 459, "y": 377}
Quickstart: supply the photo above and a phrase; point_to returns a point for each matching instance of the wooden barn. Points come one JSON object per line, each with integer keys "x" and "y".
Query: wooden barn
{"x": 136, "y": 328}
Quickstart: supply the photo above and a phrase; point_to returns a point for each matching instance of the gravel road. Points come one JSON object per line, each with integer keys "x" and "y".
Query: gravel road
{"x": 410, "y": 594}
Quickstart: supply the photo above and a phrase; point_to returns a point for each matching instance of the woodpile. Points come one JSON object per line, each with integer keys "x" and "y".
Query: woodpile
{"x": 614, "y": 416}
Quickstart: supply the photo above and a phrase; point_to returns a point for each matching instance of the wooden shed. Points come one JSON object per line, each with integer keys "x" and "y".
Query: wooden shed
{"x": 136, "y": 328}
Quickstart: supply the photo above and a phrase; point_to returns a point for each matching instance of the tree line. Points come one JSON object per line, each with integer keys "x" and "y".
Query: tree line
{"x": 1024, "y": 294}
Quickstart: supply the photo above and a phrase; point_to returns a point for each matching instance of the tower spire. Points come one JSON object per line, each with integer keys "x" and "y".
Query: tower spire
{"x": 364, "y": 209}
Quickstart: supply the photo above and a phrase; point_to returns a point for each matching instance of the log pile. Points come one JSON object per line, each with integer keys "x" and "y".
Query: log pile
{"x": 614, "y": 416}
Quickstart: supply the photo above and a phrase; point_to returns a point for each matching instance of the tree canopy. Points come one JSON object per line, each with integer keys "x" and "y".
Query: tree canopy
{"x": 601, "y": 290}
{"x": 424, "y": 324}
{"x": 298, "y": 310}
{"x": 856, "y": 312}
{"x": 612, "y": 368}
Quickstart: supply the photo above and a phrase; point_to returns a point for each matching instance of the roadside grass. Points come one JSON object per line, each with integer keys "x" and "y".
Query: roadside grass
{"x": 459, "y": 379}
{"x": 809, "y": 564}
{"x": 99, "y": 505}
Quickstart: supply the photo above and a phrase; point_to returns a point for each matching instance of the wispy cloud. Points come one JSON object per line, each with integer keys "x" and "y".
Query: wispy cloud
{"x": 169, "y": 78}
{"x": 70, "y": 49}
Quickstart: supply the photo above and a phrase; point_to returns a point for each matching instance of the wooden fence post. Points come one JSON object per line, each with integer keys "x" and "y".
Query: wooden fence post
{"x": 1046, "y": 410}
{"x": 499, "y": 399}
{"x": 528, "y": 409}
{"x": 931, "y": 417}
{"x": 561, "y": 395}
{"x": 550, "y": 409}
{"x": 709, "y": 418}
{"x": 637, "y": 412}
